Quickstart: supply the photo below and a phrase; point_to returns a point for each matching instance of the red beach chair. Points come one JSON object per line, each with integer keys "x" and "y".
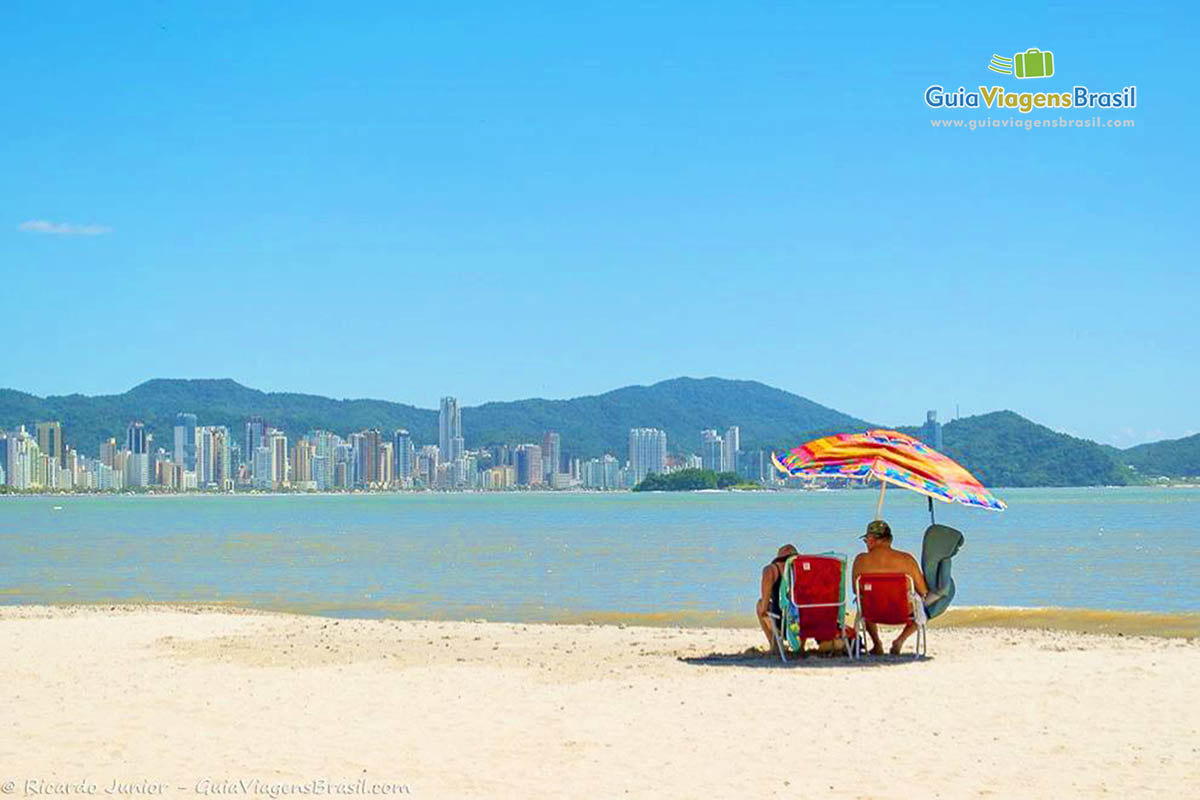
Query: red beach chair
{"x": 887, "y": 599}
{"x": 818, "y": 595}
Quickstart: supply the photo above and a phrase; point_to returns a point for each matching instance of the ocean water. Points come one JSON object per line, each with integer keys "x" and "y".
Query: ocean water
{"x": 571, "y": 556}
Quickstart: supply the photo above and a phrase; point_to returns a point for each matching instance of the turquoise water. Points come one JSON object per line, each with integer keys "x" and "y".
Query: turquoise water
{"x": 537, "y": 556}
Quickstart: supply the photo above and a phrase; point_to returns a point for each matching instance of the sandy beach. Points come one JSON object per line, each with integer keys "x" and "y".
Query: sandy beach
{"x": 178, "y": 701}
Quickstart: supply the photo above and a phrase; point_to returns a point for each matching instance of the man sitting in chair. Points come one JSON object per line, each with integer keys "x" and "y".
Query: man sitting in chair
{"x": 880, "y": 557}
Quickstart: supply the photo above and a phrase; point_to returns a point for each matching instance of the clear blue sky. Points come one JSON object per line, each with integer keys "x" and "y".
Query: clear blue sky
{"x": 512, "y": 200}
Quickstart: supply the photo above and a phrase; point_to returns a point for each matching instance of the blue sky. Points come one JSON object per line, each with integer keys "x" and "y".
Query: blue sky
{"x": 503, "y": 201}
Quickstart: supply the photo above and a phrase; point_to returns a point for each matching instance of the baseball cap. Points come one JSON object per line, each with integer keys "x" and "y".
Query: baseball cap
{"x": 877, "y": 529}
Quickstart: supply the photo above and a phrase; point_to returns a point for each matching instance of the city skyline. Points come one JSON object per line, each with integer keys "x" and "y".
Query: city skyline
{"x": 210, "y": 458}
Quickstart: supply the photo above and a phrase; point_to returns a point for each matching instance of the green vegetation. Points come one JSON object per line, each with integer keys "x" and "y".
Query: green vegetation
{"x": 689, "y": 480}
{"x": 590, "y": 426}
{"x": 1005, "y": 449}
{"x": 1174, "y": 458}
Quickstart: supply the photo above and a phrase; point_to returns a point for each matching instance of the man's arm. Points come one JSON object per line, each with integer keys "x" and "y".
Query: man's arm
{"x": 854, "y": 571}
{"x": 917, "y": 577}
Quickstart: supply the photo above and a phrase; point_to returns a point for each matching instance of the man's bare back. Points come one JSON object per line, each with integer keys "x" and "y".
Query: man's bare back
{"x": 880, "y": 557}
{"x": 886, "y": 559}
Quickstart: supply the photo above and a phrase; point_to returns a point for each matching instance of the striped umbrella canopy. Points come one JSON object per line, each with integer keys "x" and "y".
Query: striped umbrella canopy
{"x": 890, "y": 457}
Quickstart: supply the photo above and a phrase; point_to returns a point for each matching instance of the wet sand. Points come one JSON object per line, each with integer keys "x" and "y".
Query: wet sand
{"x": 206, "y": 700}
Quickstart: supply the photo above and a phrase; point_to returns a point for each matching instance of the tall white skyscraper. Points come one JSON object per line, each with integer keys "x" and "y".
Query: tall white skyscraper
{"x": 647, "y": 452}
{"x": 450, "y": 435}
{"x": 730, "y": 449}
{"x": 402, "y": 451}
{"x": 712, "y": 450}
{"x": 551, "y": 453}
{"x": 278, "y": 444}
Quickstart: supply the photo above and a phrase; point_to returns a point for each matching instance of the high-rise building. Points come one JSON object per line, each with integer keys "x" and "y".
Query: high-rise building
{"x": 428, "y": 462}
{"x": 302, "y": 464}
{"x": 384, "y": 472}
{"x": 137, "y": 459}
{"x": 49, "y": 439}
{"x": 367, "y": 452}
{"x": 529, "y": 465}
{"x": 204, "y": 456}
{"x": 185, "y": 441}
{"x": 325, "y": 458}
{"x": 278, "y": 444}
{"x": 450, "y": 435}
{"x": 552, "y": 453}
{"x": 23, "y": 455}
{"x": 213, "y": 457}
{"x": 711, "y": 450}
{"x": 261, "y": 466}
{"x": 730, "y": 449}
{"x": 402, "y": 451}
{"x": 135, "y": 438}
{"x": 647, "y": 452}
{"x": 600, "y": 473}
{"x": 931, "y": 431}
{"x": 108, "y": 453}
{"x": 256, "y": 437}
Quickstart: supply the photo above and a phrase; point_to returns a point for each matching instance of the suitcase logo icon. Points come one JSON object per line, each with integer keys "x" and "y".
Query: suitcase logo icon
{"x": 1033, "y": 63}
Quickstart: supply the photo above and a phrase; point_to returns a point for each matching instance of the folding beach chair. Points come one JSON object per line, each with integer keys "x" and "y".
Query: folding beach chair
{"x": 812, "y": 602}
{"x": 887, "y": 599}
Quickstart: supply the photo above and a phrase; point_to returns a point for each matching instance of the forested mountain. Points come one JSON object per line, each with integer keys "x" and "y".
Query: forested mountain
{"x": 1174, "y": 458}
{"x": 589, "y": 426}
{"x": 1005, "y": 449}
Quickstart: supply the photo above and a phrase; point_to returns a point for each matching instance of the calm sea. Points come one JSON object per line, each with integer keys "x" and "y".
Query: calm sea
{"x": 545, "y": 556}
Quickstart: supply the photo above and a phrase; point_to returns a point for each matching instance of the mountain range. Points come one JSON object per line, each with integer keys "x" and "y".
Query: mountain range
{"x": 1001, "y": 448}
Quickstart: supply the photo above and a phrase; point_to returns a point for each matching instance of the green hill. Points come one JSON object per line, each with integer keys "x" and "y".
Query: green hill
{"x": 1174, "y": 458}
{"x": 87, "y": 421}
{"x": 589, "y": 426}
{"x": 1005, "y": 449}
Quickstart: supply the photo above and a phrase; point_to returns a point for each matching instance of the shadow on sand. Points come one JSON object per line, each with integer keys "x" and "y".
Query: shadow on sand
{"x": 757, "y": 660}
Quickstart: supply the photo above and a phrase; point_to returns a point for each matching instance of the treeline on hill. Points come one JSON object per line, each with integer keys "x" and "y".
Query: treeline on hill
{"x": 1174, "y": 458}
{"x": 590, "y": 426}
{"x": 688, "y": 480}
{"x": 1005, "y": 449}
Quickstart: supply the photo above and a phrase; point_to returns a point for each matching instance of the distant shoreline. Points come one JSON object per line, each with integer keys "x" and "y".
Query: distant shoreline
{"x": 540, "y": 492}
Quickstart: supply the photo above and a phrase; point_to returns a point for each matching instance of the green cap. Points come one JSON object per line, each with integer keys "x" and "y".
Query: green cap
{"x": 878, "y": 529}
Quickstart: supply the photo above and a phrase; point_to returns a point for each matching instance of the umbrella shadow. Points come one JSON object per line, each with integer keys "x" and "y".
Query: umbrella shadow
{"x": 759, "y": 661}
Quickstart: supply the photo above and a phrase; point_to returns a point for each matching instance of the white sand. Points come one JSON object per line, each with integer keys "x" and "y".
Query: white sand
{"x": 450, "y": 710}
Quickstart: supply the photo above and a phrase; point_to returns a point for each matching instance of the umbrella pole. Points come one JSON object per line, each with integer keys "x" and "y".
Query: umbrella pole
{"x": 879, "y": 505}
{"x": 931, "y": 520}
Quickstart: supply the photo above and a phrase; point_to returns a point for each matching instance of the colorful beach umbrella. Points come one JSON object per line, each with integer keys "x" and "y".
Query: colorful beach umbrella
{"x": 889, "y": 457}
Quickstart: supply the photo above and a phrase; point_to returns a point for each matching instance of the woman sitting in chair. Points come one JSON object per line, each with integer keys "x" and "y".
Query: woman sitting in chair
{"x": 768, "y": 603}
